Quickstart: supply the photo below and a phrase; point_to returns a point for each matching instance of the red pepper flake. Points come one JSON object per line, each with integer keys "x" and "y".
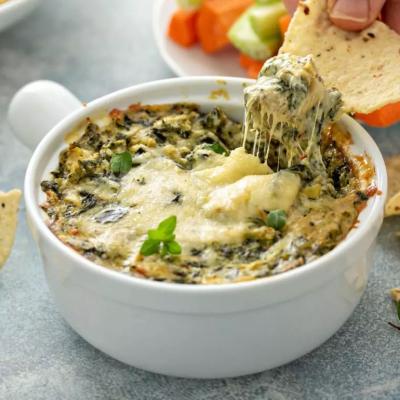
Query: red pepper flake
{"x": 140, "y": 270}
{"x": 135, "y": 107}
{"x": 74, "y": 231}
{"x": 116, "y": 114}
{"x": 371, "y": 191}
{"x": 306, "y": 10}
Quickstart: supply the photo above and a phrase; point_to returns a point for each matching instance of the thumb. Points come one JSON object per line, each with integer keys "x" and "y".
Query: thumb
{"x": 354, "y": 15}
{"x": 391, "y": 14}
{"x": 290, "y": 5}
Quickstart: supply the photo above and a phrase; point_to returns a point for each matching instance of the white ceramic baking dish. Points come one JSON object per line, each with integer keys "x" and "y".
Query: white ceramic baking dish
{"x": 209, "y": 331}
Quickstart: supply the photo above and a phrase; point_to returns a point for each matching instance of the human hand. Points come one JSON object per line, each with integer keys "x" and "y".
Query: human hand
{"x": 356, "y": 15}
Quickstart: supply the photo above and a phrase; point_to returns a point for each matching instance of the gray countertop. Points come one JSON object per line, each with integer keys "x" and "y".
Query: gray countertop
{"x": 95, "y": 47}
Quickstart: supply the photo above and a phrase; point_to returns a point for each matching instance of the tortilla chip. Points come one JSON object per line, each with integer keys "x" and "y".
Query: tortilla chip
{"x": 393, "y": 199}
{"x": 393, "y": 172}
{"x": 395, "y": 294}
{"x": 8, "y": 222}
{"x": 363, "y": 65}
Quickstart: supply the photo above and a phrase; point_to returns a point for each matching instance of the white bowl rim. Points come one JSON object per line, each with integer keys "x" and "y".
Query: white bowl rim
{"x": 11, "y": 4}
{"x": 33, "y": 209}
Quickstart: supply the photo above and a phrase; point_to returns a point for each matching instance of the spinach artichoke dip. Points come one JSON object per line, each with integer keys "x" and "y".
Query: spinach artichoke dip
{"x": 172, "y": 193}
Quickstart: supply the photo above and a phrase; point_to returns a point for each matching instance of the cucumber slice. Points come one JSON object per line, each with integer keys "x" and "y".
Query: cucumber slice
{"x": 265, "y": 19}
{"x": 243, "y": 37}
{"x": 189, "y": 4}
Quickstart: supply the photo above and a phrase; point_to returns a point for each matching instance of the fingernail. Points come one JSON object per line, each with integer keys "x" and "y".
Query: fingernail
{"x": 356, "y": 11}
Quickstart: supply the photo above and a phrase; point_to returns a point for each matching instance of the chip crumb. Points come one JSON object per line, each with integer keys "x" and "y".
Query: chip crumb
{"x": 8, "y": 222}
{"x": 393, "y": 196}
{"x": 395, "y": 294}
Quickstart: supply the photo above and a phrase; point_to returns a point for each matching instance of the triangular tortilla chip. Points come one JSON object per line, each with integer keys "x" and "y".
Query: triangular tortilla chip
{"x": 364, "y": 66}
{"x": 8, "y": 222}
{"x": 393, "y": 199}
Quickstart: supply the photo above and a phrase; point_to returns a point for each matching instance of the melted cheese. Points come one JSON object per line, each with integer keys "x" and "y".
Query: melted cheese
{"x": 253, "y": 194}
{"x": 148, "y": 190}
{"x": 290, "y": 104}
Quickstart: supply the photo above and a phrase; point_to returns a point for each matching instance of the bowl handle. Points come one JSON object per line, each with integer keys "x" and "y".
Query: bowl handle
{"x": 37, "y": 108}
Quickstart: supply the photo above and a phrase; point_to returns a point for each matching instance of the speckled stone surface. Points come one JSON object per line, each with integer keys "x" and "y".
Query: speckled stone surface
{"x": 94, "y": 47}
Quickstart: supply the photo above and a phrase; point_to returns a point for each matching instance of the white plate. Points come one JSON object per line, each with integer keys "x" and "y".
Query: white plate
{"x": 13, "y": 10}
{"x": 191, "y": 61}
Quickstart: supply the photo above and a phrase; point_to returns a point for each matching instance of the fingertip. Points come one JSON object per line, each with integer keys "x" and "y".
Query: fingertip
{"x": 354, "y": 16}
{"x": 391, "y": 14}
{"x": 291, "y": 5}
{"x": 350, "y": 25}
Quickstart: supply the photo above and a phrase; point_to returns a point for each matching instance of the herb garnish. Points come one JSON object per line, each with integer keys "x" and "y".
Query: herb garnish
{"x": 276, "y": 219}
{"x": 217, "y": 148}
{"x": 121, "y": 163}
{"x": 162, "y": 239}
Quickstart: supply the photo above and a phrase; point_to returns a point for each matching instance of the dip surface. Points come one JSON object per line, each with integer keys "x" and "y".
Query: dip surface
{"x": 191, "y": 165}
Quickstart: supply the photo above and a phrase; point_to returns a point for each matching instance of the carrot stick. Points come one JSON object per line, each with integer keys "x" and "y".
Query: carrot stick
{"x": 284, "y": 22}
{"x": 245, "y": 61}
{"x": 215, "y": 19}
{"x": 182, "y": 29}
{"x": 382, "y": 118}
{"x": 254, "y": 68}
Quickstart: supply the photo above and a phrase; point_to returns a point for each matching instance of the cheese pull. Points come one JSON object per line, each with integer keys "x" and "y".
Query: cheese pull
{"x": 252, "y": 194}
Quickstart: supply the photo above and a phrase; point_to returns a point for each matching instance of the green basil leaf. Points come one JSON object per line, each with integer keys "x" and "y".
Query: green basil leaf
{"x": 276, "y": 219}
{"x": 217, "y": 148}
{"x": 162, "y": 239}
{"x": 167, "y": 226}
{"x": 156, "y": 234}
{"x": 173, "y": 247}
{"x": 164, "y": 250}
{"x": 150, "y": 247}
{"x": 121, "y": 163}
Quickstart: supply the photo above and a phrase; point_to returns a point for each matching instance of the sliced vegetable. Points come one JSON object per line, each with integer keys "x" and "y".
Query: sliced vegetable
{"x": 265, "y": 19}
{"x": 214, "y": 21}
{"x": 284, "y": 22}
{"x": 243, "y": 37}
{"x": 254, "y": 69}
{"x": 182, "y": 27}
{"x": 382, "y": 118}
{"x": 189, "y": 4}
{"x": 245, "y": 61}
{"x": 252, "y": 66}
